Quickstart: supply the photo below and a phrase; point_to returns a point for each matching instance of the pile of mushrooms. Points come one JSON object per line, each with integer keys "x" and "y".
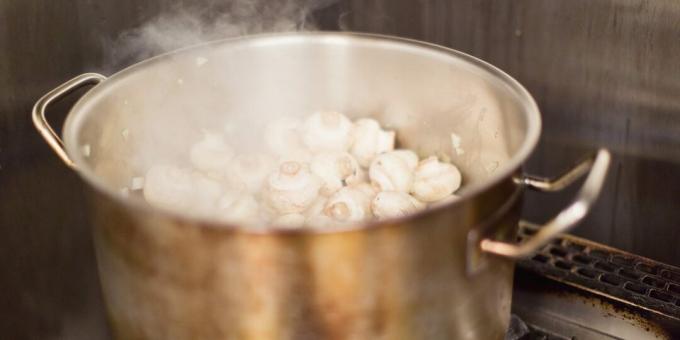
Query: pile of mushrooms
{"x": 323, "y": 171}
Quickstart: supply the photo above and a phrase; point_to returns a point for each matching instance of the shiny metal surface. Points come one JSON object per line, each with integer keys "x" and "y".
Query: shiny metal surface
{"x": 168, "y": 276}
{"x": 602, "y": 72}
{"x": 569, "y": 217}
{"x": 560, "y": 182}
{"x": 144, "y": 254}
{"x": 165, "y": 278}
{"x": 40, "y": 121}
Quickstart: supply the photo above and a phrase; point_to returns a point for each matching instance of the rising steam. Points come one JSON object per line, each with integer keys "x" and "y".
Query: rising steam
{"x": 191, "y": 24}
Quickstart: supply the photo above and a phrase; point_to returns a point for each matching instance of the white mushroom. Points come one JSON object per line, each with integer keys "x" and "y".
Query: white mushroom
{"x": 238, "y": 207}
{"x": 282, "y": 136}
{"x": 348, "y": 205}
{"x": 321, "y": 180}
{"x": 266, "y": 214}
{"x": 316, "y": 207}
{"x": 370, "y": 140}
{"x": 250, "y": 171}
{"x": 388, "y": 204}
{"x": 361, "y": 177}
{"x": 434, "y": 180}
{"x": 327, "y": 131}
{"x": 391, "y": 171}
{"x": 408, "y": 156}
{"x": 367, "y": 188}
{"x": 205, "y": 192}
{"x": 335, "y": 169}
{"x": 292, "y": 188}
{"x": 315, "y": 217}
{"x": 211, "y": 155}
{"x": 293, "y": 220}
{"x": 168, "y": 187}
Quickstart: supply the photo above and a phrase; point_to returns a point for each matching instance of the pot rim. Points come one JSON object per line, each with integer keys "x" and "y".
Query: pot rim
{"x": 76, "y": 116}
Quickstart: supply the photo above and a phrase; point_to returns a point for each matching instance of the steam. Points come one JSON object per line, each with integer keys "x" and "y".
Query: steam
{"x": 191, "y": 24}
{"x": 158, "y": 111}
{"x": 202, "y": 95}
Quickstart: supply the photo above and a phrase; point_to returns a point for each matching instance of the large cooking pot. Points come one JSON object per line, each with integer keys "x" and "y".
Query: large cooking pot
{"x": 445, "y": 273}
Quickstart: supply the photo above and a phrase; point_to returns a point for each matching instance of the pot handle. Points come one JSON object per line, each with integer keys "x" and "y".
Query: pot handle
{"x": 59, "y": 92}
{"x": 568, "y": 217}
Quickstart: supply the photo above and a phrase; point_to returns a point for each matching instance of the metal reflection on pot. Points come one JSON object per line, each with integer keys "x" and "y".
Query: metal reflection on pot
{"x": 166, "y": 275}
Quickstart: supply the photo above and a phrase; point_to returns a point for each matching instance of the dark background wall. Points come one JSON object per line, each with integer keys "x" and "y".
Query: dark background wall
{"x": 604, "y": 72}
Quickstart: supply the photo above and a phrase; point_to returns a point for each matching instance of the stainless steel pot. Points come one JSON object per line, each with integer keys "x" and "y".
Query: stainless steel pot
{"x": 445, "y": 273}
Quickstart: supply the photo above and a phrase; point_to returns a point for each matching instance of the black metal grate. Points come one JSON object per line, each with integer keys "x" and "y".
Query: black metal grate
{"x": 606, "y": 271}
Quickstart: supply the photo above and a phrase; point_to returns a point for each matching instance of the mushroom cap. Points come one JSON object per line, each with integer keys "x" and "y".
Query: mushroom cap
{"x": 370, "y": 140}
{"x": 238, "y": 207}
{"x": 250, "y": 171}
{"x": 327, "y": 131}
{"x": 408, "y": 156}
{"x": 282, "y": 135}
{"x": 389, "y": 204}
{"x": 211, "y": 154}
{"x": 435, "y": 180}
{"x": 205, "y": 192}
{"x": 391, "y": 172}
{"x": 335, "y": 169}
{"x": 168, "y": 187}
{"x": 347, "y": 205}
{"x": 292, "y": 188}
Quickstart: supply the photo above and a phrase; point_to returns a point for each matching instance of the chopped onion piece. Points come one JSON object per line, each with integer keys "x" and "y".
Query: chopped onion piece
{"x": 137, "y": 183}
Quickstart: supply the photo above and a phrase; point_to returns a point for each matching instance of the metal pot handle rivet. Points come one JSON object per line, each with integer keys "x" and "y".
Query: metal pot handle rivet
{"x": 41, "y": 105}
{"x": 567, "y": 218}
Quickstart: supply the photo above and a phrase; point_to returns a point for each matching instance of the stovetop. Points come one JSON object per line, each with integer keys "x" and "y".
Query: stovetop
{"x": 546, "y": 309}
{"x": 577, "y": 289}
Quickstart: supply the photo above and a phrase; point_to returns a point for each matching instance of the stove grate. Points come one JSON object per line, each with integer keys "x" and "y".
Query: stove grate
{"x": 606, "y": 271}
